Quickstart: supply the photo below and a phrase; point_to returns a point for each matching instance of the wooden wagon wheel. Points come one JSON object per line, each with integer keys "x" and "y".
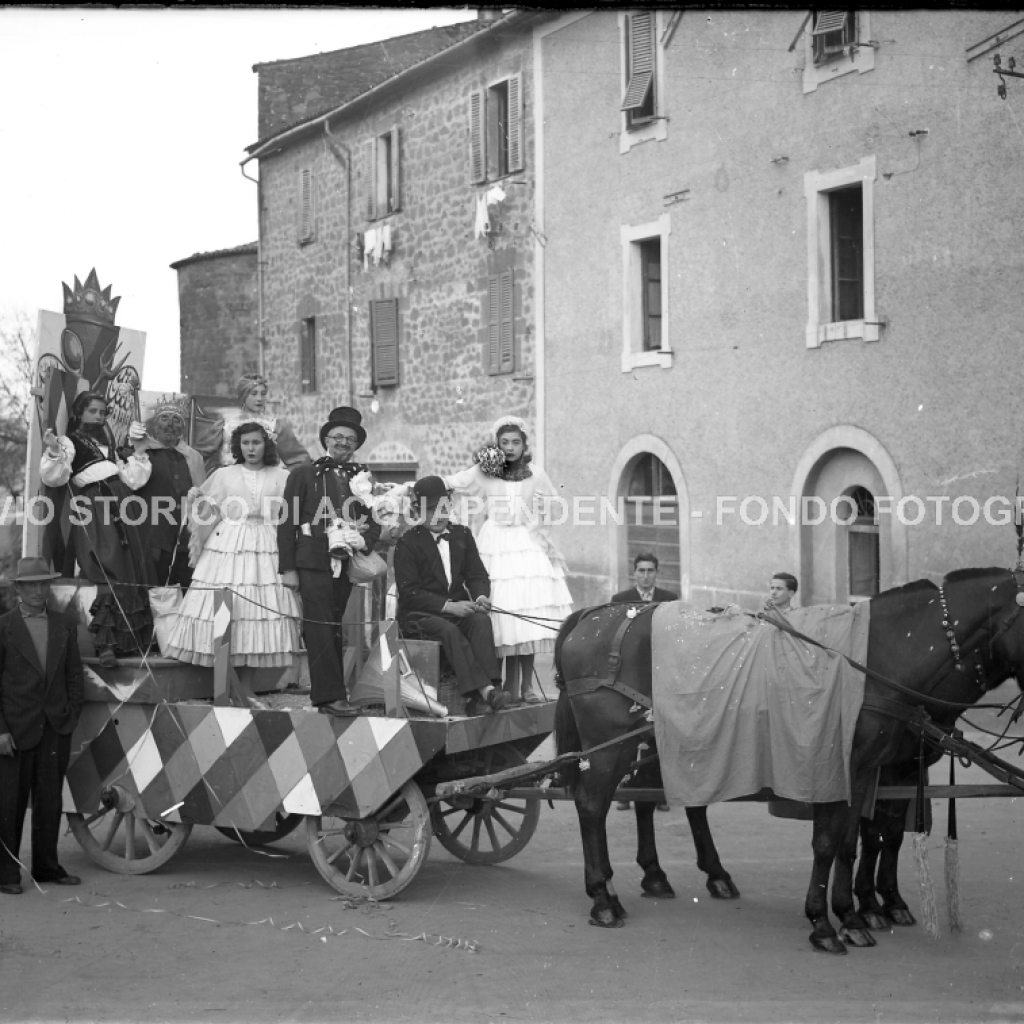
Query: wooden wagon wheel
{"x": 375, "y": 856}
{"x": 284, "y": 825}
{"x": 487, "y": 831}
{"x": 121, "y": 838}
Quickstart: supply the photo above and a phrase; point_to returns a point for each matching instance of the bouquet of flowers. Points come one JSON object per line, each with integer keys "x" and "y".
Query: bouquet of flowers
{"x": 491, "y": 460}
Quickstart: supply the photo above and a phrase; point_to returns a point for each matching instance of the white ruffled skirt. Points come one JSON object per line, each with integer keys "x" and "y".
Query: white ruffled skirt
{"x": 523, "y": 580}
{"x": 265, "y": 615}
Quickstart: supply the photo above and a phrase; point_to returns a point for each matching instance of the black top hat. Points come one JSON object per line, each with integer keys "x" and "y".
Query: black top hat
{"x": 430, "y": 489}
{"x": 344, "y": 416}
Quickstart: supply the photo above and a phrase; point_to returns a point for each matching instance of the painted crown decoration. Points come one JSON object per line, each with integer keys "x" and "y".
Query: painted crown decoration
{"x": 89, "y": 302}
{"x": 175, "y": 404}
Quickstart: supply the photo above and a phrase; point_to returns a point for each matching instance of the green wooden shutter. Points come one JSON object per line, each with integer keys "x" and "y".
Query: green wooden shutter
{"x": 370, "y": 162}
{"x": 515, "y": 123}
{"x": 394, "y": 198}
{"x": 384, "y": 347}
{"x": 494, "y": 324}
{"x": 641, "y": 59}
{"x": 477, "y": 145}
{"x": 506, "y": 341}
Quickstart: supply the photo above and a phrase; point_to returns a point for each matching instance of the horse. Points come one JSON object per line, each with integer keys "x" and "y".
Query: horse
{"x": 582, "y": 648}
{"x": 936, "y": 648}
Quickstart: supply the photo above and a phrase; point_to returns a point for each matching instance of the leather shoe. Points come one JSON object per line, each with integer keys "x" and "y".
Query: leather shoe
{"x": 11, "y": 890}
{"x": 338, "y": 708}
{"x": 622, "y": 805}
{"x": 496, "y": 700}
{"x": 532, "y": 697}
{"x": 663, "y": 806}
{"x": 60, "y": 880}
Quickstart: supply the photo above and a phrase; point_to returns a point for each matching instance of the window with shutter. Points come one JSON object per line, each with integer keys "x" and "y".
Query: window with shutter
{"x": 477, "y": 144}
{"x": 370, "y": 162}
{"x": 307, "y": 355}
{"x": 639, "y": 101}
{"x": 394, "y": 191}
{"x": 307, "y": 206}
{"x": 501, "y": 348}
{"x": 846, "y": 226}
{"x": 515, "y": 123}
{"x": 384, "y": 342}
{"x": 833, "y": 34}
{"x": 494, "y": 324}
{"x": 506, "y": 349}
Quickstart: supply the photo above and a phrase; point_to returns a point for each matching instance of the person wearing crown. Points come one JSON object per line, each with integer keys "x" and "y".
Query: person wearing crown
{"x": 176, "y": 469}
{"x": 112, "y": 537}
{"x": 252, "y": 389}
{"x": 526, "y": 570}
{"x": 315, "y": 495}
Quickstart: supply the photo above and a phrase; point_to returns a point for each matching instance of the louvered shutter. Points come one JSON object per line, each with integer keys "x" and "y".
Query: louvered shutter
{"x": 829, "y": 21}
{"x": 384, "y": 332}
{"x": 370, "y": 162}
{"x": 394, "y": 199}
{"x": 515, "y": 123}
{"x": 307, "y": 200}
{"x": 641, "y": 59}
{"x": 477, "y": 147}
{"x": 506, "y": 343}
{"x": 494, "y": 324}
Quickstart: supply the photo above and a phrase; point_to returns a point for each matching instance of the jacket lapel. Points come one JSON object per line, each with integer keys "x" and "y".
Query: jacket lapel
{"x": 22, "y": 639}
{"x": 456, "y": 545}
{"x": 429, "y": 546}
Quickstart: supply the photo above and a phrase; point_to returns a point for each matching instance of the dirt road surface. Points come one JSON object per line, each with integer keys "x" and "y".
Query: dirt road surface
{"x": 181, "y": 944}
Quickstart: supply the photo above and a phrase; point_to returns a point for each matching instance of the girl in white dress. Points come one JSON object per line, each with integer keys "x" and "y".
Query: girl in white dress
{"x": 234, "y": 544}
{"x": 527, "y": 571}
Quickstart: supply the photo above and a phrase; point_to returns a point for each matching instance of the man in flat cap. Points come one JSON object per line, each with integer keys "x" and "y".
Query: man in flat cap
{"x": 314, "y": 496}
{"x": 41, "y": 695}
{"x": 444, "y": 595}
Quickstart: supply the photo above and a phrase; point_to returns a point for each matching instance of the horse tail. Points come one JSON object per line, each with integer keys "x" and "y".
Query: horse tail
{"x": 567, "y": 739}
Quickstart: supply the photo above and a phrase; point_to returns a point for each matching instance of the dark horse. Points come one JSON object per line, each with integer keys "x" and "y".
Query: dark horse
{"x": 943, "y": 647}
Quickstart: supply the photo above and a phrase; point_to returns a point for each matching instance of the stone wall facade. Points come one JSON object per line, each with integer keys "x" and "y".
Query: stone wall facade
{"x": 438, "y": 271}
{"x": 219, "y": 312}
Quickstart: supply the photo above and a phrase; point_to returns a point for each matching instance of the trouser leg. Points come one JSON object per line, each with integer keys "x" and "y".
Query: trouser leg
{"x": 50, "y": 767}
{"x": 323, "y": 604}
{"x": 479, "y": 632}
{"x": 15, "y": 784}
{"x": 470, "y": 673}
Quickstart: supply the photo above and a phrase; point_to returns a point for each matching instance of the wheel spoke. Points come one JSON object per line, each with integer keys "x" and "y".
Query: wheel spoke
{"x": 465, "y": 821}
{"x": 406, "y": 852}
{"x": 150, "y": 836}
{"x": 387, "y": 858}
{"x": 388, "y": 808}
{"x": 475, "y": 845}
{"x": 510, "y": 807}
{"x": 495, "y": 845}
{"x": 339, "y": 851}
{"x": 371, "y": 864}
{"x": 96, "y": 817}
{"x": 112, "y": 831}
{"x": 129, "y": 837}
{"x": 389, "y": 825}
{"x": 452, "y": 809}
{"x": 353, "y": 864}
{"x": 495, "y": 816}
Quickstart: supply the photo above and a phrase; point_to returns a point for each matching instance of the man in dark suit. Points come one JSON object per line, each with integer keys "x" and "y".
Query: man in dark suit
{"x": 41, "y": 694}
{"x": 645, "y": 574}
{"x": 444, "y": 595}
{"x": 315, "y": 495}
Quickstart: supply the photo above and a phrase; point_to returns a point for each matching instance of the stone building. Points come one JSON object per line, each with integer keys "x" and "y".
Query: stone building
{"x": 397, "y": 238}
{"x": 218, "y": 309}
{"x": 780, "y": 263}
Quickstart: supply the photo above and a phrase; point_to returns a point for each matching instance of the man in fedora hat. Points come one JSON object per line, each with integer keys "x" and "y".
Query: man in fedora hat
{"x": 444, "y": 595}
{"x": 41, "y": 694}
{"x": 314, "y": 496}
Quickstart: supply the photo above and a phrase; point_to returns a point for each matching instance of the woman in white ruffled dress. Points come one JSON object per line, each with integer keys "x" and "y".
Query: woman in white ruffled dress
{"x": 234, "y": 544}
{"x": 527, "y": 571}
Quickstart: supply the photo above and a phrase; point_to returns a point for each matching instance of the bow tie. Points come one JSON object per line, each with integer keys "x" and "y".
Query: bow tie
{"x": 444, "y": 535}
{"x": 347, "y": 469}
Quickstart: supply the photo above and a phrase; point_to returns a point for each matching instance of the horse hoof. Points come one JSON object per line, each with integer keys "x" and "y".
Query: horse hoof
{"x": 723, "y": 889}
{"x": 618, "y": 909}
{"x": 860, "y": 937}
{"x": 606, "y": 919}
{"x": 901, "y": 916}
{"x": 877, "y": 920}
{"x": 828, "y": 944}
{"x": 657, "y": 889}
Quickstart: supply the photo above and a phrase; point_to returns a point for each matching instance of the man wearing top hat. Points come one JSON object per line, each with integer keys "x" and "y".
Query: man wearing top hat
{"x": 41, "y": 694}
{"x": 314, "y": 496}
{"x": 444, "y": 595}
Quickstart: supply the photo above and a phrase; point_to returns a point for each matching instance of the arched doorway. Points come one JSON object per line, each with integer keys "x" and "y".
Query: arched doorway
{"x": 652, "y": 517}
{"x": 863, "y": 551}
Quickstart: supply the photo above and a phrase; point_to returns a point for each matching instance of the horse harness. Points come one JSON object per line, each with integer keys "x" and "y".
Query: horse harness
{"x": 590, "y": 684}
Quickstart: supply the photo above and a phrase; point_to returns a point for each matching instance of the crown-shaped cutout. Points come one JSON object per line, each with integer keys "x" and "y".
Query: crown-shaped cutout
{"x": 174, "y": 404}
{"x": 89, "y": 302}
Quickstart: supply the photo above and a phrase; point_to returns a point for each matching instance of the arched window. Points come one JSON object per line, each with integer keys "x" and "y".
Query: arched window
{"x": 862, "y": 545}
{"x": 652, "y": 517}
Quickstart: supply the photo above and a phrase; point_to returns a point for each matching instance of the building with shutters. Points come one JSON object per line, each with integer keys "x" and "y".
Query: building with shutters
{"x": 397, "y": 190}
{"x": 785, "y": 245}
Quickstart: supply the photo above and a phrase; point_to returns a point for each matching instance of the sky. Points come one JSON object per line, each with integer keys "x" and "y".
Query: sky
{"x": 121, "y": 134}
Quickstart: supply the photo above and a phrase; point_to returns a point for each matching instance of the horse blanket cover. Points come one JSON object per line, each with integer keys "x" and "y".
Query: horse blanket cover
{"x": 739, "y": 704}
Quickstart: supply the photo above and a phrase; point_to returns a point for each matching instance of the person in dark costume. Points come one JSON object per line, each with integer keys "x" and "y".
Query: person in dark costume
{"x": 322, "y": 493}
{"x": 444, "y": 595}
{"x": 41, "y": 695}
{"x": 112, "y": 533}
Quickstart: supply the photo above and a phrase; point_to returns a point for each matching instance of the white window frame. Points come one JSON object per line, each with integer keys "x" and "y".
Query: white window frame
{"x": 657, "y": 129}
{"x": 861, "y": 57}
{"x": 633, "y": 354}
{"x": 817, "y": 186}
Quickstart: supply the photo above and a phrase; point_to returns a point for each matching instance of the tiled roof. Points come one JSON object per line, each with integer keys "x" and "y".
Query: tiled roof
{"x": 302, "y": 89}
{"x": 250, "y": 248}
